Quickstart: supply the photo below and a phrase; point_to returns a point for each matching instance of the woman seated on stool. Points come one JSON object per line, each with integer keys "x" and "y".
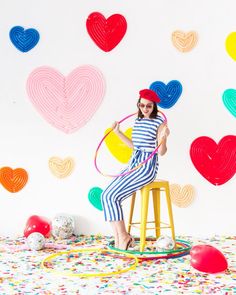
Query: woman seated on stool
{"x": 149, "y": 129}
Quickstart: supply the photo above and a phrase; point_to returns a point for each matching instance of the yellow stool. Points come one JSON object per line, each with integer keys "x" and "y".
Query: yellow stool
{"x": 156, "y": 187}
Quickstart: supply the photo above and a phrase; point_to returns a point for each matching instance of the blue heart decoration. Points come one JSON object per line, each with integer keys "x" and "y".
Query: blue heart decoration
{"x": 24, "y": 40}
{"x": 169, "y": 94}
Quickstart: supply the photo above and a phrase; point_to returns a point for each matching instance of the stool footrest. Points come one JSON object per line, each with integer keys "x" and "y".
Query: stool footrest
{"x": 133, "y": 223}
{"x": 136, "y": 224}
{"x": 140, "y": 223}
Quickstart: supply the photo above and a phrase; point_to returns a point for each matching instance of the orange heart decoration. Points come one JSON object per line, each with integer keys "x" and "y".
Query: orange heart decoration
{"x": 182, "y": 197}
{"x": 184, "y": 42}
{"x": 13, "y": 179}
{"x": 117, "y": 147}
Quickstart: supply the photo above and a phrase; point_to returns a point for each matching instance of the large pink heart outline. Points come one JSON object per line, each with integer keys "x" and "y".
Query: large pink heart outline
{"x": 67, "y": 103}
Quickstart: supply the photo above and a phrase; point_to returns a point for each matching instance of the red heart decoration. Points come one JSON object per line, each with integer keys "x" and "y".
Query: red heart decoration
{"x": 38, "y": 224}
{"x": 207, "y": 258}
{"x": 217, "y": 163}
{"x": 106, "y": 33}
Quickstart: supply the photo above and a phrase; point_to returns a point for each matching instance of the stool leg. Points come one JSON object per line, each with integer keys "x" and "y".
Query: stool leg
{"x": 168, "y": 199}
{"x": 157, "y": 211}
{"x": 131, "y": 212}
{"x": 144, "y": 212}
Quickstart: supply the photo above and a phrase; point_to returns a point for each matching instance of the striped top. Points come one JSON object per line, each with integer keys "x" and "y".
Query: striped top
{"x": 144, "y": 134}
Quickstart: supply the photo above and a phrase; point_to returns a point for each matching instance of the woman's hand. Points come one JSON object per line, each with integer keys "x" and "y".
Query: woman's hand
{"x": 116, "y": 127}
{"x": 164, "y": 132}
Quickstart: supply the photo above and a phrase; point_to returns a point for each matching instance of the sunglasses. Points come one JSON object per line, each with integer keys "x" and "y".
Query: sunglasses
{"x": 142, "y": 105}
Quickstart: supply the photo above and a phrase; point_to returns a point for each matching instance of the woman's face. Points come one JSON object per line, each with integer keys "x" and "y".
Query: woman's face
{"x": 146, "y": 107}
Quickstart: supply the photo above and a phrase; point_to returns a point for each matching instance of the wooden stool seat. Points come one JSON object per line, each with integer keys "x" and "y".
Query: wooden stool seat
{"x": 156, "y": 187}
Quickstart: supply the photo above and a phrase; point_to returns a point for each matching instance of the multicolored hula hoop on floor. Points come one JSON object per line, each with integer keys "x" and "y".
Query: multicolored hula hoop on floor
{"x": 138, "y": 166}
{"x": 182, "y": 248}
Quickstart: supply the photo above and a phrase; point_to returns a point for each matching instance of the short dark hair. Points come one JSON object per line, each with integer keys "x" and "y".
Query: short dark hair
{"x": 153, "y": 113}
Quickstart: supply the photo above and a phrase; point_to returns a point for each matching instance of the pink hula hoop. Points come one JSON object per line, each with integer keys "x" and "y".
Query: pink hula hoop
{"x": 133, "y": 169}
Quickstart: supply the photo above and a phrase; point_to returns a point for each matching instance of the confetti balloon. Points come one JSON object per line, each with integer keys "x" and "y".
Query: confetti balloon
{"x": 36, "y": 241}
{"x": 165, "y": 243}
{"x": 62, "y": 227}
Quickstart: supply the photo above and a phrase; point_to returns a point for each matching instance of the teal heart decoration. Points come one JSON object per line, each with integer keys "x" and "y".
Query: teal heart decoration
{"x": 229, "y": 100}
{"x": 94, "y": 197}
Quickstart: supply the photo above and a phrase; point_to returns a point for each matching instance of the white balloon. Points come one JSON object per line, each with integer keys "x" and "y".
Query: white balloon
{"x": 36, "y": 241}
{"x": 165, "y": 243}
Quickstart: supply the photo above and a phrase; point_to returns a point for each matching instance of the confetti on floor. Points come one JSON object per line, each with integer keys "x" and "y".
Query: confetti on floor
{"x": 21, "y": 271}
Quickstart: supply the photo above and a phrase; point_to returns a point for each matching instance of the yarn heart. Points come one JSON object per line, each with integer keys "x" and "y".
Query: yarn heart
{"x": 215, "y": 162}
{"x": 24, "y": 40}
{"x": 230, "y": 45}
{"x": 106, "y": 33}
{"x": 67, "y": 103}
{"x": 182, "y": 196}
{"x": 229, "y": 100}
{"x": 117, "y": 147}
{"x": 61, "y": 168}
{"x": 13, "y": 180}
{"x": 169, "y": 94}
{"x": 184, "y": 42}
{"x": 94, "y": 197}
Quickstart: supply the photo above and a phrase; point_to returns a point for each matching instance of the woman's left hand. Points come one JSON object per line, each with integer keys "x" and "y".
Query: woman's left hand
{"x": 165, "y": 132}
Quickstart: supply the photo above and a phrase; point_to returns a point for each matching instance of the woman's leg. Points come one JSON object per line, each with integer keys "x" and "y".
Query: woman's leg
{"x": 115, "y": 233}
{"x": 118, "y": 190}
{"x": 122, "y": 238}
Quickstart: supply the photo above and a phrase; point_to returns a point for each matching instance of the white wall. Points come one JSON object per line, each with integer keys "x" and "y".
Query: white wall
{"x": 146, "y": 54}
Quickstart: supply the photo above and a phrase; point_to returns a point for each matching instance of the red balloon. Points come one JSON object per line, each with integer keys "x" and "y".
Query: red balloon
{"x": 207, "y": 258}
{"x": 38, "y": 224}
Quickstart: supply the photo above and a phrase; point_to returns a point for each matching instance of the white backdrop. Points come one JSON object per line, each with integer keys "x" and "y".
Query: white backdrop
{"x": 145, "y": 54}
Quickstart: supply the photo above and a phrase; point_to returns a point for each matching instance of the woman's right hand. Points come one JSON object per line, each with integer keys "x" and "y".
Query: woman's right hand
{"x": 116, "y": 127}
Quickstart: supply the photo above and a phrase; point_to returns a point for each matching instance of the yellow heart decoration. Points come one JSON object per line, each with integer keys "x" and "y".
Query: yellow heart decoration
{"x": 117, "y": 147}
{"x": 184, "y": 42}
{"x": 61, "y": 168}
{"x": 182, "y": 197}
{"x": 230, "y": 45}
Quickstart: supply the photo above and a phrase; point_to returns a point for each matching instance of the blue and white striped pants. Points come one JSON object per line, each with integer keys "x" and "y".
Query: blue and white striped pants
{"x": 123, "y": 187}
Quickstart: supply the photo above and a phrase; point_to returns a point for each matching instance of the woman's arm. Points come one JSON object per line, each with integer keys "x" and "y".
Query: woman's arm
{"x": 162, "y": 134}
{"x": 122, "y": 136}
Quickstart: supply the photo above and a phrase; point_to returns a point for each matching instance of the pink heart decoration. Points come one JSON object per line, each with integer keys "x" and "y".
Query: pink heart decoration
{"x": 207, "y": 258}
{"x": 67, "y": 103}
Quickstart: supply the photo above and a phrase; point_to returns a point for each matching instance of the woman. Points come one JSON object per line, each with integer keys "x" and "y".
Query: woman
{"x": 148, "y": 130}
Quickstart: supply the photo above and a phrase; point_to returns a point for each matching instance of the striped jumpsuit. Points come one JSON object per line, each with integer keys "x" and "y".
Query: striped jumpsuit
{"x": 144, "y": 138}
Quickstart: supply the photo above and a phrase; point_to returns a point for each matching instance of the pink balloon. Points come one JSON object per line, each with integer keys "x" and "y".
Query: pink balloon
{"x": 207, "y": 258}
{"x": 38, "y": 224}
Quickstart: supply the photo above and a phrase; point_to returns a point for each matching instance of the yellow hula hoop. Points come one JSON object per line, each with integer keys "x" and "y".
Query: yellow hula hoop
{"x": 70, "y": 274}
